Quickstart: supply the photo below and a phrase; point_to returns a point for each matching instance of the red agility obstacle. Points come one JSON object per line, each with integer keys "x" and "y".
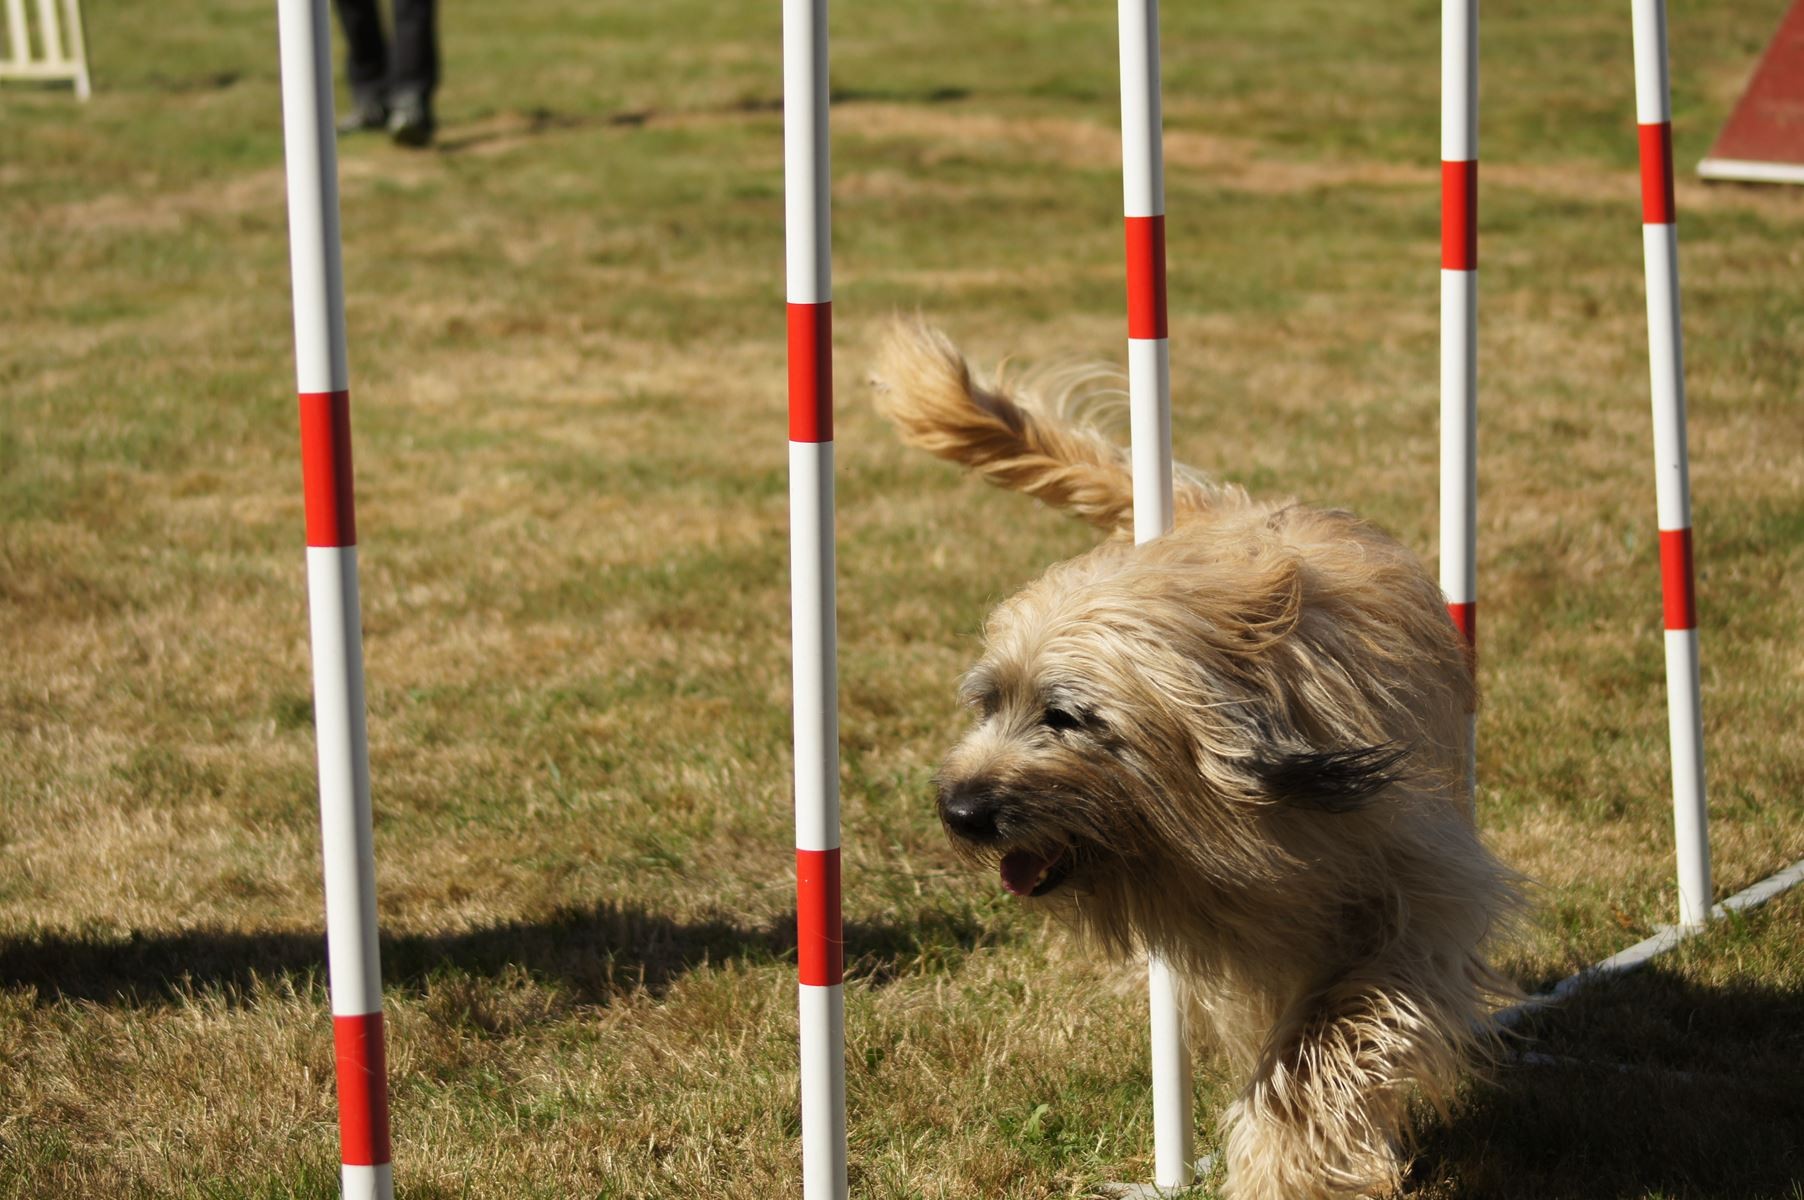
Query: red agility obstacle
{"x": 1764, "y": 139}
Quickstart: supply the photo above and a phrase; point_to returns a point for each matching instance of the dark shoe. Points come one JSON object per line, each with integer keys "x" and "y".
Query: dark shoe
{"x": 410, "y": 120}
{"x": 367, "y": 112}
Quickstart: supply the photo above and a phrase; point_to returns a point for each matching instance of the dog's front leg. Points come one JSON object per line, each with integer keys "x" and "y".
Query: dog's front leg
{"x": 1325, "y": 1114}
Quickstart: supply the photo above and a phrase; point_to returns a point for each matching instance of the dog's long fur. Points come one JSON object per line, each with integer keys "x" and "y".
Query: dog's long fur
{"x": 1240, "y": 746}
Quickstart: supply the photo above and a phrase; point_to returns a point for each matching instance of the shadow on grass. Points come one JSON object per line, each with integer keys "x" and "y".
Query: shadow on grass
{"x": 598, "y": 953}
{"x": 524, "y": 124}
{"x": 1646, "y": 1086}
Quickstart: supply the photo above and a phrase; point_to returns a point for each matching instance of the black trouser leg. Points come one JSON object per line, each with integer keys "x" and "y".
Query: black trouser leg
{"x": 366, "y": 58}
{"x": 416, "y": 48}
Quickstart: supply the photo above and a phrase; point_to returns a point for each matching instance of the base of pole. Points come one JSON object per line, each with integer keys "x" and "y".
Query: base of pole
{"x": 1152, "y": 1191}
{"x": 367, "y": 1183}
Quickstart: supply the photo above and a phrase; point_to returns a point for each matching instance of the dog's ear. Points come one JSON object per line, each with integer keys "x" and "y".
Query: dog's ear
{"x": 1332, "y": 781}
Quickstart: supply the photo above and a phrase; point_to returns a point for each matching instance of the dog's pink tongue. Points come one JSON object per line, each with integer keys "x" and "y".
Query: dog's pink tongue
{"x": 1023, "y": 870}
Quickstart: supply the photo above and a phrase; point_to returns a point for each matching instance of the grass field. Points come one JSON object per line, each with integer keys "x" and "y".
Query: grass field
{"x": 567, "y": 369}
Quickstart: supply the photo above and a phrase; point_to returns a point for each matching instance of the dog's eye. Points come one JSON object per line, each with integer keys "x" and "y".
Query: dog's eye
{"x": 1061, "y": 719}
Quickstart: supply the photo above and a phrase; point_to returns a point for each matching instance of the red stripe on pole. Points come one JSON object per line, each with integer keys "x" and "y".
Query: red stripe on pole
{"x": 1465, "y": 619}
{"x": 1146, "y": 277}
{"x": 811, "y": 372}
{"x": 362, "y": 1090}
{"x": 820, "y": 925}
{"x": 1676, "y": 579}
{"x": 1657, "y": 206}
{"x": 326, "y": 468}
{"x": 1459, "y": 215}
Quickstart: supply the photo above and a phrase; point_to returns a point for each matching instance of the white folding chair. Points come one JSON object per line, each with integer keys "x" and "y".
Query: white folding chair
{"x": 57, "y": 52}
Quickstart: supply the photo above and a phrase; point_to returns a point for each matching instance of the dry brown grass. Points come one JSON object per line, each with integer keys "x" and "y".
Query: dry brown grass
{"x": 567, "y": 370}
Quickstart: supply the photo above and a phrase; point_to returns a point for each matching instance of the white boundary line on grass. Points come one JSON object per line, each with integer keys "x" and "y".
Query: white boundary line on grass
{"x": 1667, "y": 937}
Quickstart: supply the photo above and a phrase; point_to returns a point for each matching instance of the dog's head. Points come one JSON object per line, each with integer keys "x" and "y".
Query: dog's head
{"x": 1152, "y": 721}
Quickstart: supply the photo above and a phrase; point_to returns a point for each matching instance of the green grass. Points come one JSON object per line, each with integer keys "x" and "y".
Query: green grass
{"x": 566, "y": 354}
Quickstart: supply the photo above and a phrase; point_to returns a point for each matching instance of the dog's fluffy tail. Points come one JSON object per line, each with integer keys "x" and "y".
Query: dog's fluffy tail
{"x": 1017, "y": 440}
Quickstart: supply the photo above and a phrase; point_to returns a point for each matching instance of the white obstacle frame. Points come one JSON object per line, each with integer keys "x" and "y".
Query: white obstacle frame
{"x": 60, "y": 54}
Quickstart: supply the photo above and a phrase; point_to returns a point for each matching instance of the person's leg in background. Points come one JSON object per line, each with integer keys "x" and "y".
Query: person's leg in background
{"x": 415, "y": 74}
{"x": 366, "y": 64}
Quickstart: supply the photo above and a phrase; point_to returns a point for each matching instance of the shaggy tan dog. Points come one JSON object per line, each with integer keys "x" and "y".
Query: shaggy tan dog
{"x": 1240, "y": 747}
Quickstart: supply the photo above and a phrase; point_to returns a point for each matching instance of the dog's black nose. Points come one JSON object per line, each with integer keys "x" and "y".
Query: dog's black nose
{"x": 970, "y": 811}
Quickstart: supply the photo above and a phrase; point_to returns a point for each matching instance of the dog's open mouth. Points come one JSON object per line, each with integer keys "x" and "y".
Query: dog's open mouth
{"x": 1033, "y": 873}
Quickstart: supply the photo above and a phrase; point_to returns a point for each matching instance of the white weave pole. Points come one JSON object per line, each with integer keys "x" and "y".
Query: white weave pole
{"x": 1149, "y": 391}
{"x": 1672, "y": 475}
{"x": 354, "y": 968}
{"x": 1459, "y": 332}
{"x": 819, "y": 930}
